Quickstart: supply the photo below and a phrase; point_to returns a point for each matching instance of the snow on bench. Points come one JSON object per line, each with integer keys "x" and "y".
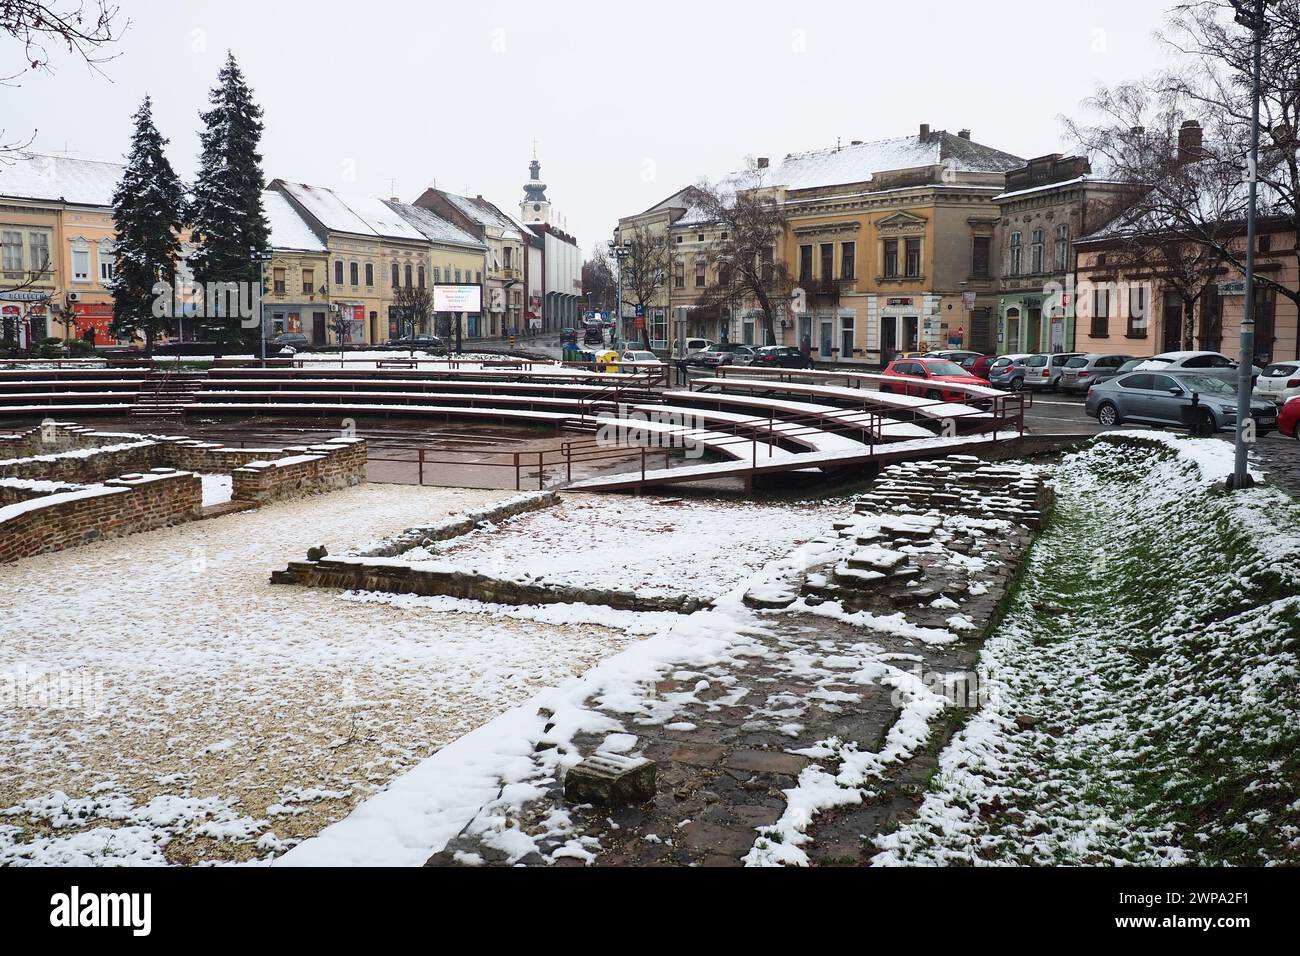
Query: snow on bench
{"x": 914, "y": 403}
{"x": 845, "y": 416}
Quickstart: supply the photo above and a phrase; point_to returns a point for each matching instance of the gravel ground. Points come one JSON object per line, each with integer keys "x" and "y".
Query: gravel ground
{"x": 234, "y": 716}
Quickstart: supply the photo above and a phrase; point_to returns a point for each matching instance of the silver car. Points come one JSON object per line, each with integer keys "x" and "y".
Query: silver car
{"x": 1158, "y": 398}
{"x": 1043, "y": 371}
{"x": 1083, "y": 371}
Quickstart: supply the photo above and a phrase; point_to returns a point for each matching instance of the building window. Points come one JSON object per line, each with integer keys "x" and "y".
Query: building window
{"x": 408, "y": 275}
{"x": 478, "y": 277}
{"x": 397, "y": 276}
{"x": 913, "y": 258}
{"x": 700, "y": 273}
{"x": 338, "y": 271}
{"x": 679, "y": 274}
{"x": 849, "y": 260}
{"x": 769, "y": 265}
{"x": 1015, "y": 254}
{"x": 80, "y": 265}
{"x": 420, "y": 280}
{"x": 277, "y": 281}
{"x": 1036, "y": 251}
{"x": 1211, "y": 323}
{"x": 979, "y": 257}
{"x": 370, "y": 274}
{"x": 679, "y": 239}
{"x": 828, "y": 261}
{"x": 1137, "y": 312}
{"x": 308, "y": 281}
{"x": 458, "y": 277}
{"x": 891, "y": 258}
{"x": 805, "y": 263}
{"x": 354, "y": 273}
{"x": 12, "y": 245}
{"x": 1062, "y": 252}
{"x": 1100, "y": 312}
{"x": 107, "y": 259}
{"x": 507, "y": 257}
{"x": 39, "y": 243}
{"x": 437, "y": 275}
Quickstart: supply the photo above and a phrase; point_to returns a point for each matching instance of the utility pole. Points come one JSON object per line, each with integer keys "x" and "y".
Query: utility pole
{"x": 1250, "y": 14}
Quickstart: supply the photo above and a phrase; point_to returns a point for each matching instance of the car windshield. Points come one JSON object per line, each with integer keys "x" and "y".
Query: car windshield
{"x": 944, "y": 368}
{"x": 1207, "y": 384}
{"x": 1280, "y": 371}
{"x": 1001, "y": 363}
{"x": 1079, "y": 362}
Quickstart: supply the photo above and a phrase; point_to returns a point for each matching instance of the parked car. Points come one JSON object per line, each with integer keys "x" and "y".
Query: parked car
{"x": 726, "y": 353}
{"x": 960, "y": 356}
{"x": 1288, "y": 419}
{"x": 1158, "y": 398}
{"x": 927, "y": 377}
{"x": 1082, "y": 371}
{"x": 691, "y": 346}
{"x": 425, "y": 343}
{"x": 1279, "y": 382}
{"x": 780, "y": 356}
{"x": 1008, "y": 371}
{"x": 633, "y": 356}
{"x": 294, "y": 340}
{"x": 978, "y": 366}
{"x": 1129, "y": 366}
{"x": 568, "y": 337}
{"x": 1214, "y": 363}
{"x": 1043, "y": 370}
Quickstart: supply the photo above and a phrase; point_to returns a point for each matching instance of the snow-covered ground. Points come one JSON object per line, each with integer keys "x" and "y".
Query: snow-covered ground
{"x": 216, "y": 489}
{"x": 642, "y": 544}
{"x": 1143, "y": 704}
{"x": 171, "y": 705}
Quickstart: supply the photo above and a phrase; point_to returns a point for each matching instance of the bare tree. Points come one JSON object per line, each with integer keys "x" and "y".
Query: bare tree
{"x": 750, "y": 220}
{"x": 644, "y": 270}
{"x": 84, "y": 28}
{"x": 598, "y": 281}
{"x": 416, "y": 305}
{"x": 1192, "y": 192}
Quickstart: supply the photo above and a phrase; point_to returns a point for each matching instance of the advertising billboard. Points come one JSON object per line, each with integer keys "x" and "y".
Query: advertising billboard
{"x": 457, "y": 298}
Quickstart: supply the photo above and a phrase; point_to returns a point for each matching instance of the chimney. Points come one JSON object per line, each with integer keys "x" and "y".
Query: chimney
{"x": 762, "y": 162}
{"x": 925, "y": 131}
{"x": 964, "y": 134}
{"x": 1189, "y": 140}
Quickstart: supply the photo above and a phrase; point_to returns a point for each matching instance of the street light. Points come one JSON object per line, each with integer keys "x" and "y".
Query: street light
{"x": 1250, "y": 14}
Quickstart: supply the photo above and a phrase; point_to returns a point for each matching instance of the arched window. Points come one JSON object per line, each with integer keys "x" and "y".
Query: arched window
{"x": 408, "y": 275}
{"x": 397, "y": 278}
{"x": 353, "y": 270}
{"x": 370, "y": 273}
{"x": 421, "y": 277}
{"x": 338, "y": 271}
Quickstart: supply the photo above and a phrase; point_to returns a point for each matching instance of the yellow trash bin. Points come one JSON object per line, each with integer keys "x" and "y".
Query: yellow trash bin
{"x": 607, "y": 362}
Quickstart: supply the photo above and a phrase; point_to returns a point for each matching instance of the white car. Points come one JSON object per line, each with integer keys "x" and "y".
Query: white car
{"x": 1215, "y": 363}
{"x": 638, "y": 355}
{"x": 691, "y": 346}
{"x": 1279, "y": 382}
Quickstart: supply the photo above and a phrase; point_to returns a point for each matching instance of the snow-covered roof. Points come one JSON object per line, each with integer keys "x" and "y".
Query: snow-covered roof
{"x": 82, "y": 182}
{"x": 288, "y": 229}
{"x": 434, "y": 227}
{"x": 1213, "y": 199}
{"x": 861, "y": 162}
{"x": 484, "y": 213}
{"x": 350, "y": 212}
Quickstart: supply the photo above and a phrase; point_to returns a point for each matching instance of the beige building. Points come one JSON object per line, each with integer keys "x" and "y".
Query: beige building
{"x": 56, "y": 248}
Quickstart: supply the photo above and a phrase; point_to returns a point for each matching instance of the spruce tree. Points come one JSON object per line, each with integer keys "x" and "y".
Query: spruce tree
{"x": 149, "y": 210}
{"x": 228, "y": 221}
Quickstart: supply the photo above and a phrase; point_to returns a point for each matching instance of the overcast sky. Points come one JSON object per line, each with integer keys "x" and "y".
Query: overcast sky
{"x": 627, "y": 101}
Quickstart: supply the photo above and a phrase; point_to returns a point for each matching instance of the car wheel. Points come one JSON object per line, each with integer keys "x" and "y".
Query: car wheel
{"x": 1108, "y": 415}
{"x": 934, "y": 395}
{"x": 1016, "y": 384}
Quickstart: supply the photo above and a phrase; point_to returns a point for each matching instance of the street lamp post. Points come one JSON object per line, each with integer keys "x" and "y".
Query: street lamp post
{"x": 1250, "y": 14}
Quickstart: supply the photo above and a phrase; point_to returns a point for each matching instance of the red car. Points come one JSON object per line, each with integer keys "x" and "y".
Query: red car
{"x": 927, "y": 376}
{"x": 979, "y": 366}
{"x": 1288, "y": 420}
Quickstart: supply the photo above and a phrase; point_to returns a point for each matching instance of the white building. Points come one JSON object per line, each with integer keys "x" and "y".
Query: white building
{"x": 561, "y": 258}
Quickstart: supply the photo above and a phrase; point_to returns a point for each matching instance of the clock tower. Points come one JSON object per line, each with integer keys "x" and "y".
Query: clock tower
{"x": 535, "y": 207}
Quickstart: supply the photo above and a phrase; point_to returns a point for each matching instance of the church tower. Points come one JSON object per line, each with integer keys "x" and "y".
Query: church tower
{"x": 535, "y": 207}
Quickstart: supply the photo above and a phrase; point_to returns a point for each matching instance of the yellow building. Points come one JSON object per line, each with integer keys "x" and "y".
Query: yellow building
{"x": 889, "y": 244}
{"x": 371, "y": 250}
{"x": 56, "y": 247}
{"x": 296, "y": 279}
